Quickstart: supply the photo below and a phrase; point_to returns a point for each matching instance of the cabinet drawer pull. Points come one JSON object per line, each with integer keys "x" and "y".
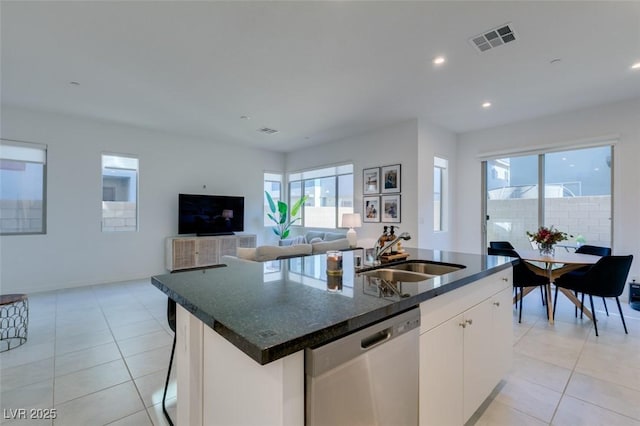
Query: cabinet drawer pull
{"x": 469, "y": 321}
{"x": 505, "y": 279}
{"x": 496, "y": 303}
{"x": 463, "y": 324}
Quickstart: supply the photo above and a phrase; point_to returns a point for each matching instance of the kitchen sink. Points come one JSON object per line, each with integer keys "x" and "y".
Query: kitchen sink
{"x": 392, "y": 275}
{"x": 427, "y": 268}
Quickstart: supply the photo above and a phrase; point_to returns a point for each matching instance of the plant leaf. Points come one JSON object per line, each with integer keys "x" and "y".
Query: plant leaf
{"x": 285, "y": 234}
{"x": 272, "y": 205}
{"x": 296, "y": 206}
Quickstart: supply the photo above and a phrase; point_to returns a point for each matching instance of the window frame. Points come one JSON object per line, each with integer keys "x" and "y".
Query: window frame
{"x": 343, "y": 169}
{"x": 45, "y": 152}
{"x": 106, "y": 229}
{"x": 441, "y": 165}
{"x": 271, "y": 177}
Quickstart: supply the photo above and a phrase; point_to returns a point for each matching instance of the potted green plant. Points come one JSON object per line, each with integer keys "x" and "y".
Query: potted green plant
{"x": 282, "y": 216}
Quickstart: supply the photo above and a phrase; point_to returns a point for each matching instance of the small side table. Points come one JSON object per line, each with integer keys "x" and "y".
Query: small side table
{"x": 14, "y": 319}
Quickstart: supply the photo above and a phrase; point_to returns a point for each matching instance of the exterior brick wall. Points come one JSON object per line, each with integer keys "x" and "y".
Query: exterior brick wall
{"x": 119, "y": 216}
{"x": 587, "y": 216}
{"x": 21, "y": 216}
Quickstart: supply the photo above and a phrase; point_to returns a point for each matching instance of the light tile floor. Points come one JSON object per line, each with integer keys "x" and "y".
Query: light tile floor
{"x": 99, "y": 355}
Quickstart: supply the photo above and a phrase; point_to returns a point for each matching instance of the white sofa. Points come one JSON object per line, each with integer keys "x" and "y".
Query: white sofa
{"x": 317, "y": 242}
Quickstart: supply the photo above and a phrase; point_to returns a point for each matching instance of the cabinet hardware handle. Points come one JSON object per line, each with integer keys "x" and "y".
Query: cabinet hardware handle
{"x": 496, "y": 303}
{"x": 469, "y": 321}
{"x": 463, "y": 325}
{"x": 505, "y": 279}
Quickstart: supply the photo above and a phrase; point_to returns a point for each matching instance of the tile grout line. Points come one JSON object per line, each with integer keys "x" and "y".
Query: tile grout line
{"x": 93, "y": 291}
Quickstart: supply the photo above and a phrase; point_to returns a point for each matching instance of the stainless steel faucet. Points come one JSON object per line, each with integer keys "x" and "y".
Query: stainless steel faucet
{"x": 381, "y": 250}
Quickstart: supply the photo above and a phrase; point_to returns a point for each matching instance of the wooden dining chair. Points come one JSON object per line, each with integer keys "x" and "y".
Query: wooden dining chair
{"x": 606, "y": 278}
{"x": 523, "y": 276}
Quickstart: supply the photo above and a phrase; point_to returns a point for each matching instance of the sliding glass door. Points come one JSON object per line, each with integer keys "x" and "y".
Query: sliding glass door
{"x": 512, "y": 199}
{"x": 577, "y": 187}
{"x": 576, "y": 196}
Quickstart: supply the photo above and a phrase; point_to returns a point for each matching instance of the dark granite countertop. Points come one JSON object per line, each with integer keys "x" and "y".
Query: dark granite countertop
{"x": 273, "y": 309}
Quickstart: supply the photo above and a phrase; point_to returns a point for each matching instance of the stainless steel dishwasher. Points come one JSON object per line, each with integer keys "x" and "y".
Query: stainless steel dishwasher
{"x": 367, "y": 378}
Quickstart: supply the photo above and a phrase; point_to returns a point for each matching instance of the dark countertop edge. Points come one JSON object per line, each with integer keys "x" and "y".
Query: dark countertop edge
{"x": 266, "y": 355}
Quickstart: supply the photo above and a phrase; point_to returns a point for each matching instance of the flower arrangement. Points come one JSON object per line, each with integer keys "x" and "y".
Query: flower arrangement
{"x": 548, "y": 235}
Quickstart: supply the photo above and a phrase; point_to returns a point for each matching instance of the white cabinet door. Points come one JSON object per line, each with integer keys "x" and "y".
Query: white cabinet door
{"x": 441, "y": 359}
{"x": 502, "y": 335}
{"x": 479, "y": 375}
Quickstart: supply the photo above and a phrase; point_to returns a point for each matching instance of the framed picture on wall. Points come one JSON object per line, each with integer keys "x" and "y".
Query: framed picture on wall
{"x": 391, "y": 208}
{"x": 391, "y": 178}
{"x": 371, "y": 209}
{"x": 371, "y": 180}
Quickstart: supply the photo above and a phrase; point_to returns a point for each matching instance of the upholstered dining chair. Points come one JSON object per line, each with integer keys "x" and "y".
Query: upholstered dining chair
{"x": 506, "y": 245}
{"x": 606, "y": 278}
{"x": 523, "y": 276}
{"x": 501, "y": 245}
{"x": 171, "y": 319}
{"x": 597, "y": 251}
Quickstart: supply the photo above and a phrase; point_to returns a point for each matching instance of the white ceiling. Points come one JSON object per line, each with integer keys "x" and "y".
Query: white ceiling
{"x": 315, "y": 71}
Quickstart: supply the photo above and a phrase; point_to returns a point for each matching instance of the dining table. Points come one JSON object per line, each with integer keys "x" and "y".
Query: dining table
{"x": 556, "y": 265}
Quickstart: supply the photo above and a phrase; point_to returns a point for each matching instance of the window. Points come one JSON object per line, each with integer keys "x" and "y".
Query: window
{"x": 570, "y": 190}
{"x": 272, "y": 185}
{"x": 22, "y": 188}
{"x": 440, "y": 185}
{"x": 330, "y": 192}
{"x": 119, "y": 193}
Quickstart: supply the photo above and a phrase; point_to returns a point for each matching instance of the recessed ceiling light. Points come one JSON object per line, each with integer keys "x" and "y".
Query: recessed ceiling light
{"x": 486, "y": 104}
{"x": 439, "y": 60}
{"x": 635, "y": 66}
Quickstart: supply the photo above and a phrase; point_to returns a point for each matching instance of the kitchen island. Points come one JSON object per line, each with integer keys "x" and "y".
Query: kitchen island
{"x": 242, "y": 329}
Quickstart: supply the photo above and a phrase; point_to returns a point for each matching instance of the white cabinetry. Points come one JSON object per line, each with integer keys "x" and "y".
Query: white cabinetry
{"x": 465, "y": 349}
{"x": 193, "y": 252}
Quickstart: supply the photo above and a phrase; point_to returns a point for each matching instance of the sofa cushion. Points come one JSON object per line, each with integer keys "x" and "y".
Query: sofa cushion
{"x": 332, "y": 236}
{"x": 324, "y": 246}
{"x": 310, "y": 235}
{"x": 315, "y": 240}
{"x": 246, "y": 253}
{"x": 264, "y": 253}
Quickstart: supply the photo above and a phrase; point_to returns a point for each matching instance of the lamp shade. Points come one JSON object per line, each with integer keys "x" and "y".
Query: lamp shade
{"x": 351, "y": 220}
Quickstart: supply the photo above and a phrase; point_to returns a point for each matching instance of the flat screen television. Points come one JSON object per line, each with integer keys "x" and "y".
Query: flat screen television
{"x": 210, "y": 214}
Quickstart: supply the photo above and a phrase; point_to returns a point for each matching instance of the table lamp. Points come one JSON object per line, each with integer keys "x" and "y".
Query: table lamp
{"x": 351, "y": 220}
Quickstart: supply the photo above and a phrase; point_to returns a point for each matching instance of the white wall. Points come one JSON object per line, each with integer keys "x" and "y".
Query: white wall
{"x": 412, "y": 144}
{"x": 75, "y": 252}
{"x": 394, "y": 144}
{"x": 569, "y": 129}
{"x": 435, "y": 141}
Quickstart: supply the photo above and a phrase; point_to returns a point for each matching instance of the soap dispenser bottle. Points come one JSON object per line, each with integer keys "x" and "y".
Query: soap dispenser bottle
{"x": 392, "y": 236}
{"x": 383, "y": 238}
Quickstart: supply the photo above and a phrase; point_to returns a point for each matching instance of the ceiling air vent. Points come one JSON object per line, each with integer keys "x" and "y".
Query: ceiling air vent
{"x": 267, "y": 131}
{"x": 493, "y": 38}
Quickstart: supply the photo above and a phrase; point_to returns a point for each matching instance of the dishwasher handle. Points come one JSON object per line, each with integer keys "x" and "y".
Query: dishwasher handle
{"x": 324, "y": 358}
{"x": 375, "y": 339}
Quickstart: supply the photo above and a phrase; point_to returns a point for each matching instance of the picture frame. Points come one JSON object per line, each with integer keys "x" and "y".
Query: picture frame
{"x": 390, "y": 179}
{"x": 371, "y": 180}
{"x": 390, "y": 208}
{"x": 371, "y": 209}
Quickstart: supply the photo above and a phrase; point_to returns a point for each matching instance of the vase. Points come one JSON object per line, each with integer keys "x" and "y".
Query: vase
{"x": 546, "y": 249}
